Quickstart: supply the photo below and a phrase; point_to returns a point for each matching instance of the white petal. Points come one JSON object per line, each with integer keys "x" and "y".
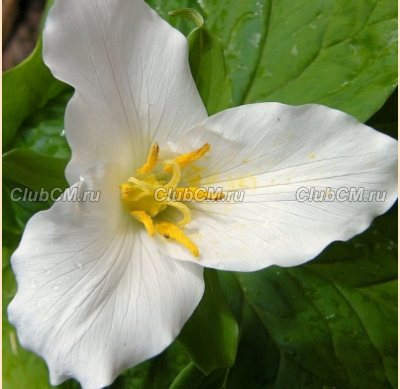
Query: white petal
{"x": 131, "y": 75}
{"x": 95, "y": 296}
{"x": 270, "y": 151}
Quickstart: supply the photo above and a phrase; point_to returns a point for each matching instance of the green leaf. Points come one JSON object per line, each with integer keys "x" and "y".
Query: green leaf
{"x": 11, "y": 229}
{"x": 342, "y": 54}
{"x": 331, "y": 322}
{"x": 158, "y": 372}
{"x": 191, "y": 377}
{"x": 26, "y": 206}
{"x": 259, "y": 363}
{"x": 337, "y": 53}
{"x": 43, "y": 131}
{"x": 26, "y": 88}
{"x": 207, "y": 64}
{"x": 210, "y": 335}
{"x": 34, "y": 170}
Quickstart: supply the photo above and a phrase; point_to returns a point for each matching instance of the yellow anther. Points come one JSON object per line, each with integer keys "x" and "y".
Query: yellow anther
{"x": 151, "y": 160}
{"x": 170, "y": 231}
{"x": 147, "y": 221}
{"x": 188, "y": 158}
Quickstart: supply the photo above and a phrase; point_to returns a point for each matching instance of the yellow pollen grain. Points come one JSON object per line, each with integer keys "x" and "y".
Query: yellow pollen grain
{"x": 288, "y": 179}
{"x": 151, "y": 160}
{"x": 170, "y": 231}
{"x": 312, "y": 156}
{"x": 147, "y": 221}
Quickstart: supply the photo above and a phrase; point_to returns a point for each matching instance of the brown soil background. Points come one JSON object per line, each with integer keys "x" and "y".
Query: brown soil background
{"x": 21, "y": 19}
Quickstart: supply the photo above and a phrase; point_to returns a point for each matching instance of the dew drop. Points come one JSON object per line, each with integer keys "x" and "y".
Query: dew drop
{"x": 78, "y": 265}
{"x": 255, "y": 39}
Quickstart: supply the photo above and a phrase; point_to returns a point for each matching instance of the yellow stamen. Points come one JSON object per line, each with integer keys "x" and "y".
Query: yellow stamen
{"x": 172, "y": 167}
{"x": 151, "y": 160}
{"x": 170, "y": 231}
{"x": 141, "y": 184}
{"x": 142, "y": 199}
{"x": 188, "y": 158}
{"x": 147, "y": 221}
{"x": 184, "y": 209}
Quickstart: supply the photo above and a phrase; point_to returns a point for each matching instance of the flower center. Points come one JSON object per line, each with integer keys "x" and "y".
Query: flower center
{"x": 147, "y": 196}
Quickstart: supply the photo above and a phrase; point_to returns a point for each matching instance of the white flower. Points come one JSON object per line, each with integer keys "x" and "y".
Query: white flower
{"x": 100, "y": 286}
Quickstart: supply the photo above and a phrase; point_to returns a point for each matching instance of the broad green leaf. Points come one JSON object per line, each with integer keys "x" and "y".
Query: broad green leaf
{"x": 193, "y": 378}
{"x": 207, "y": 64}
{"x": 43, "y": 131}
{"x": 9, "y": 285}
{"x": 331, "y": 322}
{"x": 342, "y": 54}
{"x": 210, "y": 335}
{"x": 35, "y": 171}
{"x": 11, "y": 229}
{"x": 26, "y": 88}
{"x": 259, "y": 363}
{"x": 158, "y": 372}
{"x": 24, "y": 202}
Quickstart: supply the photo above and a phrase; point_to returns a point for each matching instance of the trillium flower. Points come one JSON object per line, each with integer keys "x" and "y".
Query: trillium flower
{"x": 105, "y": 285}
